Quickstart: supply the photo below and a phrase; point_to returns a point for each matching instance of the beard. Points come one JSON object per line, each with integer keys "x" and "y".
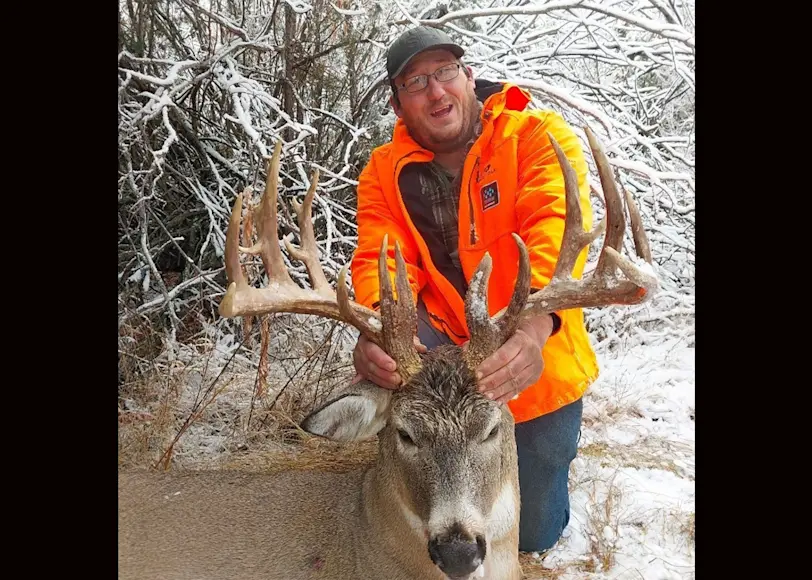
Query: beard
{"x": 469, "y": 130}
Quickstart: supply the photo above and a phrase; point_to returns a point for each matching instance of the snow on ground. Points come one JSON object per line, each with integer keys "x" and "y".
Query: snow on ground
{"x": 632, "y": 504}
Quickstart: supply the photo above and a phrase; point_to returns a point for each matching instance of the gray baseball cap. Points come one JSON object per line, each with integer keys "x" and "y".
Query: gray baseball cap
{"x": 413, "y": 42}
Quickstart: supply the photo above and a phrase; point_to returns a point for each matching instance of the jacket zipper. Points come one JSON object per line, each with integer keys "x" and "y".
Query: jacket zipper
{"x": 472, "y": 228}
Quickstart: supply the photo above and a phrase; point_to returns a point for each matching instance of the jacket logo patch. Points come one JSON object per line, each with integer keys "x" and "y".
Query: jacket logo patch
{"x": 490, "y": 195}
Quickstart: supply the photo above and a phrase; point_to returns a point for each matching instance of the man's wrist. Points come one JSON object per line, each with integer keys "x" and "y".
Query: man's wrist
{"x": 543, "y": 327}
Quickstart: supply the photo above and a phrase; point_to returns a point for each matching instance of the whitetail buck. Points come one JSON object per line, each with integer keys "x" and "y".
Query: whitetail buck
{"x": 442, "y": 498}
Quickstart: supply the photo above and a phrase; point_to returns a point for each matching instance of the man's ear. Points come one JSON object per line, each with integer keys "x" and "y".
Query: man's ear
{"x": 470, "y": 74}
{"x": 395, "y": 105}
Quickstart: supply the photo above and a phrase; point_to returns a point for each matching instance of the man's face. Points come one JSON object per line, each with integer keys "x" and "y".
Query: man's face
{"x": 441, "y": 116}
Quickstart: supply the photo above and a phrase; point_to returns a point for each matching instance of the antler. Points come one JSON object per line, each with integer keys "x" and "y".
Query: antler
{"x": 601, "y": 288}
{"x": 393, "y": 329}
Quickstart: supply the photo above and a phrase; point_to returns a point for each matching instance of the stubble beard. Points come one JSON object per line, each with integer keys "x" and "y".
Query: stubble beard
{"x": 465, "y": 136}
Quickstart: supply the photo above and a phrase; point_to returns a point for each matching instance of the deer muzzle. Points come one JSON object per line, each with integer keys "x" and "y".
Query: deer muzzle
{"x": 456, "y": 553}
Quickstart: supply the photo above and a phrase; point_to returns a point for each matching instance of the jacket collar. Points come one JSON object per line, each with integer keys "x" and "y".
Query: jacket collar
{"x": 497, "y": 97}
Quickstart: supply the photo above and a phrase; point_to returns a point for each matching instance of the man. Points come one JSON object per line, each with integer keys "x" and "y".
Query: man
{"x": 467, "y": 166}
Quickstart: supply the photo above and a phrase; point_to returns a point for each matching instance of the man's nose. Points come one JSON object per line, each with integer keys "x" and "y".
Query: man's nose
{"x": 435, "y": 89}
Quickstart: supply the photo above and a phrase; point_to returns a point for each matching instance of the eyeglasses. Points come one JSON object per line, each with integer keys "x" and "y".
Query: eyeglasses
{"x": 443, "y": 74}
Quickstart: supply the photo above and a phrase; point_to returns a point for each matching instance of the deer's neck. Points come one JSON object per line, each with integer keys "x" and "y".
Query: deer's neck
{"x": 397, "y": 546}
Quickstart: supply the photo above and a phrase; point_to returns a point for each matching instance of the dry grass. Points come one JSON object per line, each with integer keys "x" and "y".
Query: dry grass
{"x": 534, "y": 569}
{"x": 688, "y": 525}
{"x": 652, "y": 453}
{"x": 603, "y": 525}
{"x": 149, "y": 392}
{"x": 311, "y": 453}
{"x": 682, "y": 524}
{"x": 615, "y": 402}
{"x": 199, "y": 407}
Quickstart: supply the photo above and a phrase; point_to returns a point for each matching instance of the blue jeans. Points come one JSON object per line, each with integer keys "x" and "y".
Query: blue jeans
{"x": 546, "y": 446}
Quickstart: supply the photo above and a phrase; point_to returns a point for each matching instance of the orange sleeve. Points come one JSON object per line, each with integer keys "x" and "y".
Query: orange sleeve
{"x": 375, "y": 219}
{"x": 540, "y": 199}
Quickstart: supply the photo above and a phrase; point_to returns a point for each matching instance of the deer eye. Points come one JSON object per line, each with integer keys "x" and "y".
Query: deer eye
{"x": 492, "y": 433}
{"x": 405, "y": 438}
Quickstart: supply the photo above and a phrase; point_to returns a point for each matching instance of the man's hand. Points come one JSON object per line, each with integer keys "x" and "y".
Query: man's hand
{"x": 517, "y": 364}
{"x": 372, "y": 363}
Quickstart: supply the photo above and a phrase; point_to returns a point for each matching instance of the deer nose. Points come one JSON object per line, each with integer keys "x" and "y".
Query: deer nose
{"x": 457, "y": 557}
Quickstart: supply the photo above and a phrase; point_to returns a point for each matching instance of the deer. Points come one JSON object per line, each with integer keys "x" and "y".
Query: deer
{"x": 441, "y": 500}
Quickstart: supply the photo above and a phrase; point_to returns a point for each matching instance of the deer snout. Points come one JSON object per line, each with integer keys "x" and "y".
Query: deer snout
{"x": 457, "y": 554}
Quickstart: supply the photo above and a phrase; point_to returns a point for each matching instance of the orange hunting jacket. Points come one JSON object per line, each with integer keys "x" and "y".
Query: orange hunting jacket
{"x": 511, "y": 182}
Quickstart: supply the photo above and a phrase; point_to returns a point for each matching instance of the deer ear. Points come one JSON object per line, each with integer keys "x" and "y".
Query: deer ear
{"x": 357, "y": 413}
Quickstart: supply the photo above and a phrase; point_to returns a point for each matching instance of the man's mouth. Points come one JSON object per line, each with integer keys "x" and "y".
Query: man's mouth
{"x": 443, "y": 112}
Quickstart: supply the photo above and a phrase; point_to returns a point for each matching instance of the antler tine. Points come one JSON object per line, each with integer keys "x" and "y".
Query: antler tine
{"x": 615, "y": 220}
{"x": 601, "y": 288}
{"x": 489, "y": 333}
{"x": 234, "y": 274}
{"x": 575, "y": 238}
{"x": 267, "y": 245}
{"x": 282, "y": 294}
{"x": 509, "y": 319}
{"x": 399, "y": 317}
{"x": 641, "y": 244}
{"x": 483, "y": 334}
{"x": 309, "y": 251}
